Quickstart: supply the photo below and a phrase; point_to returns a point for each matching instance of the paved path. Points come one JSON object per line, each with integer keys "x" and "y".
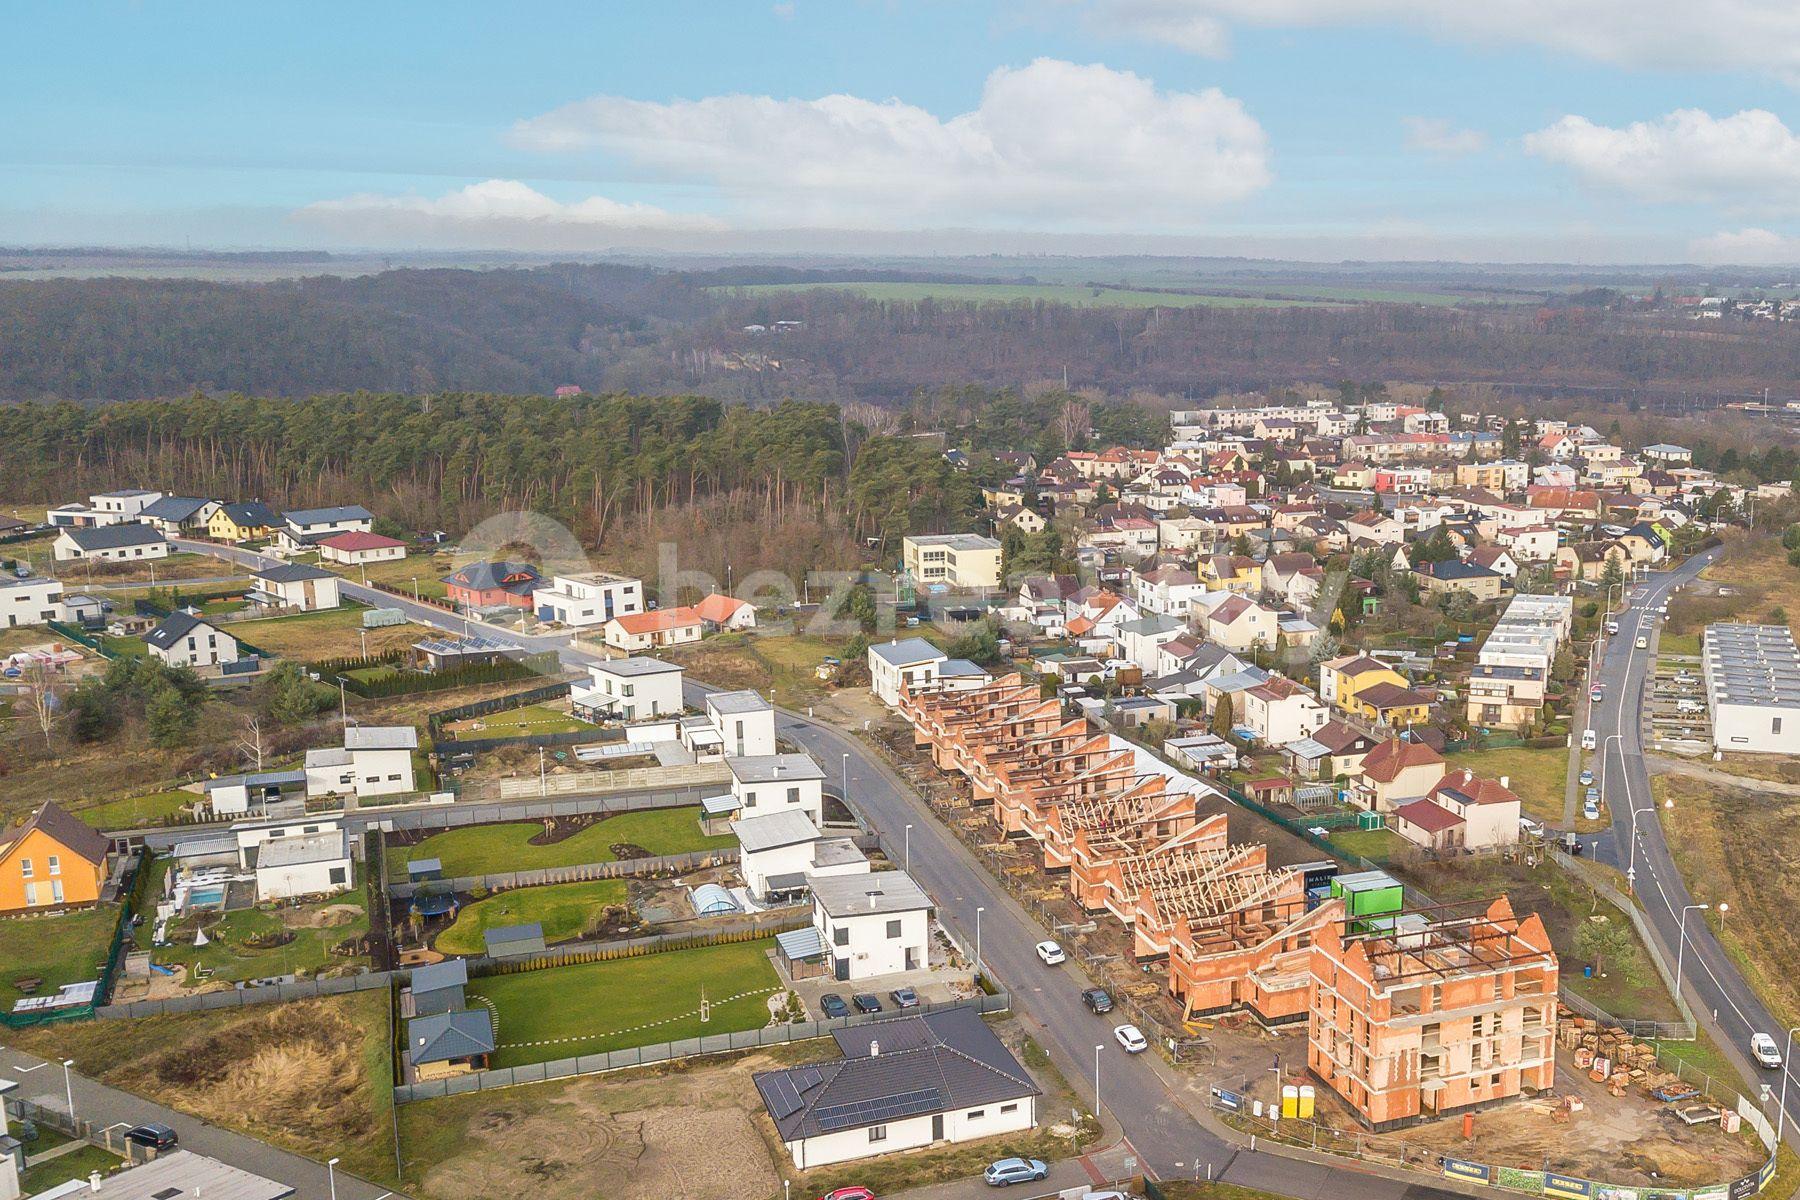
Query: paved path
{"x": 1710, "y": 774}
{"x": 42, "y": 1082}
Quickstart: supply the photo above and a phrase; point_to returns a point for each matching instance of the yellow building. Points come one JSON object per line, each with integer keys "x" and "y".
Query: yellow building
{"x": 248, "y": 521}
{"x": 1340, "y": 679}
{"x": 53, "y": 860}
{"x": 963, "y": 561}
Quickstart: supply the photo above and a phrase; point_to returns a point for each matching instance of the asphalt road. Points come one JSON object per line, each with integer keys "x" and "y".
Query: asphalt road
{"x": 1722, "y": 1001}
{"x": 42, "y": 1082}
{"x": 1138, "y": 1092}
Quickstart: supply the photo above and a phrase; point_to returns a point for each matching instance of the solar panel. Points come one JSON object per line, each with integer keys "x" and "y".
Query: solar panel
{"x": 876, "y": 1111}
{"x": 784, "y": 1101}
{"x": 808, "y": 1078}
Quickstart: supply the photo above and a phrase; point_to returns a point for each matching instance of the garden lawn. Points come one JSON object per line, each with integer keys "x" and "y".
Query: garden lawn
{"x": 1537, "y": 776}
{"x": 58, "y": 948}
{"x": 77, "y": 1164}
{"x": 326, "y": 633}
{"x": 124, "y": 647}
{"x": 565, "y": 910}
{"x": 494, "y": 849}
{"x": 594, "y": 1007}
{"x": 227, "y": 957}
{"x": 150, "y": 809}
{"x": 1377, "y": 845}
{"x": 520, "y": 722}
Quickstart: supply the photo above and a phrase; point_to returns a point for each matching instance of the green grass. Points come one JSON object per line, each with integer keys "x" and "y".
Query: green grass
{"x": 227, "y": 956}
{"x": 1376, "y": 844}
{"x": 148, "y": 809}
{"x": 1679, "y": 643}
{"x": 594, "y": 1007}
{"x": 62, "y": 948}
{"x": 565, "y": 910}
{"x": 494, "y": 849}
{"x": 371, "y": 674}
{"x": 519, "y": 722}
{"x": 224, "y": 605}
{"x": 1537, "y": 776}
{"x": 77, "y": 1164}
{"x": 124, "y": 647}
{"x": 1005, "y": 293}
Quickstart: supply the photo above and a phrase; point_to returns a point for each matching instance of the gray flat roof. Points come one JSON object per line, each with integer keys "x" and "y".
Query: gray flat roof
{"x": 878, "y": 892}
{"x": 381, "y": 737}
{"x": 789, "y": 827}
{"x": 632, "y": 668}
{"x": 178, "y": 1173}
{"x": 745, "y": 701}
{"x": 774, "y": 768}
{"x": 1752, "y": 665}
{"x": 327, "y": 845}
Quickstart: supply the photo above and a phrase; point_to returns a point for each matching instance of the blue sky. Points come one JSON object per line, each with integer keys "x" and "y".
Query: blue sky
{"x": 1653, "y": 130}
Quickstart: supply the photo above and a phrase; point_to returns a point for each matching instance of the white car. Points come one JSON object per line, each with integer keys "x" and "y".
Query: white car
{"x": 1587, "y": 739}
{"x": 1590, "y": 809}
{"x": 1132, "y": 1038}
{"x": 1643, "y": 643}
{"x": 1051, "y": 953}
{"x": 1762, "y": 1049}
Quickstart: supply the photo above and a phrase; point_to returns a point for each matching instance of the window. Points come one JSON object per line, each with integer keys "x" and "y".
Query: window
{"x": 793, "y": 795}
{"x": 840, "y": 936}
{"x": 337, "y": 875}
{"x": 893, "y": 928}
{"x": 30, "y": 894}
{"x": 56, "y": 891}
{"x": 878, "y": 1133}
{"x": 975, "y": 1114}
{"x": 25, "y": 868}
{"x": 1006, "y": 1108}
{"x": 55, "y": 865}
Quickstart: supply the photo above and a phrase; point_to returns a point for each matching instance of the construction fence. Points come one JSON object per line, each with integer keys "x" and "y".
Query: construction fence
{"x": 641, "y": 1056}
{"x": 1682, "y": 1030}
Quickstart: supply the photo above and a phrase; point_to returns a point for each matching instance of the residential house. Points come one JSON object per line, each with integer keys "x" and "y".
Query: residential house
{"x": 1391, "y": 706}
{"x": 1231, "y": 573}
{"x": 745, "y": 722}
{"x": 178, "y": 516}
{"x": 941, "y": 1077}
{"x": 653, "y": 630}
{"x": 628, "y": 689}
{"x": 719, "y": 612}
{"x": 588, "y": 599}
{"x": 1030, "y": 520}
{"x": 492, "y": 584}
{"x": 1452, "y": 576}
{"x": 908, "y": 662}
{"x": 1140, "y": 641}
{"x": 1334, "y": 750}
{"x": 1528, "y": 543}
{"x": 767, "y": 783}
{"x": 447, "y": 1044}
{"x": 1341, "y": 678}
{"x": 1296, "y": 578}
{"x": 34, "y": 601}
{"x": 1240, "y": 624}
{"x": 242, "y": 521}
{"x": 304, "y": 526}
{"x": 1589, "y": 561}
{"x": 873, "y": 924}
{"x": 253, "y": 792}
{"x": 1281, "y": 711}
{"x": 1374, "y": 528}
{"x": 184, "y": 640}
{"x": 130, "y": 542}
{"x": 777, "y": 852}
{"x": 294, "y": 858}
{"x": 52, "y": 860}
{"x": 1463, "y": 811}
{"x": 357, "y": 549}
{"x": 296, "y": 586}
{"x": 1397, "y": 772}
{"x": 375, "y": 760}
{"x": 1167, "y": 590}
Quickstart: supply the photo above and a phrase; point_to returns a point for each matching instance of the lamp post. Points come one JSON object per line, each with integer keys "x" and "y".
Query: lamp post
{"x": 909, "y": 849}
{"x": 1681, "y": 944}
{"x": 331, "y": 1175}
{"x": 1724, "y": 907}
{"x": 978, "y": 911}
{"x": 1786, "y": 1070}
{"x": 69, "y": 1088}
{"x": 844, "y": 777}
{"x": 1097, "y": 1050}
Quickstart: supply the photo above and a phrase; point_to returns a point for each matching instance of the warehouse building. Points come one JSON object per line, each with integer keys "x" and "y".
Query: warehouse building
{"x": 1752, "y": 675}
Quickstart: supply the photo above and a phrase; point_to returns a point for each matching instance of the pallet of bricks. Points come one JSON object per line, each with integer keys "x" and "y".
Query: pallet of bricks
{"x": 1610, "y": 1055}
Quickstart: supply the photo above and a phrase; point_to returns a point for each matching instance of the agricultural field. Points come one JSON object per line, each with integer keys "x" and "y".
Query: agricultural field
{"x": 565, "y": 910}
{"x": 329, "y": 633}
{"x": 56, "y": 948}
{"x": 1537, "y": 776}
{"x": 588, "y": 1008}
{"x": 1079, "y": 295}
{"x": 320, "y": 1082}
{"x": 519, "y": 845}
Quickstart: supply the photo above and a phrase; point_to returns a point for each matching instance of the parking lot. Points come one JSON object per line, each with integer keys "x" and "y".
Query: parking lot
{"x": 1675, "y": 707}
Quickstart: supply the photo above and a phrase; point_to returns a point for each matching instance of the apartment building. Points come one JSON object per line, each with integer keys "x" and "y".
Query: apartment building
{"x": 588, "y": 599}
{"x": 1752, "y": 675}
{"x": 959, "y": 561}
{"x": 1433, "y": 1010}
{"x": 1512, "y": 668}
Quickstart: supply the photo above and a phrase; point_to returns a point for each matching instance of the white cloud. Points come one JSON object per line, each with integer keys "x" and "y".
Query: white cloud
{"x": 1050, "y": 145}
{"x": 1750, "y": 157}
{"x": 1756, "y": 35}
{"x": 495, "y": 212}
{"x": 1746, "y": 247}
{"x": 784, "y": 9}
{"x": 1435, "y": 135}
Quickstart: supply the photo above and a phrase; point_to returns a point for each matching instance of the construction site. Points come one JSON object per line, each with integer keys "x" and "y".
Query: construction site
{"x": 1234, "y": 943}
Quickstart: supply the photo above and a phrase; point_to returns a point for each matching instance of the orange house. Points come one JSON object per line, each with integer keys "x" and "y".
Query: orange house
{"x": 53, "y": 860}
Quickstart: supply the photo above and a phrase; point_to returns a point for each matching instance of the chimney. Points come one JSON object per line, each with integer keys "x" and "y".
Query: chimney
{"x": 874, "y": 1048}
{"x": 1506, "y": 781}
{"x": 93, "y": 1181}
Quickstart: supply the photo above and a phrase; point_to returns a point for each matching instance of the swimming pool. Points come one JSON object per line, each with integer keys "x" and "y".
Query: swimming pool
{"x": 214, "y": 895}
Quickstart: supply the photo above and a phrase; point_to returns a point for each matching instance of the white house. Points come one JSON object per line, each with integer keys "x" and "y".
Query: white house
{"x": 777, "y": 852}
{"x": 239, "y": 795}
{"x": 767, "y": 783}
{"x": 637, "y": 632}
{"x": 911, "y": 1081}
{"x": 872, "y": 925}
{"x": 176, "y": 515}
{"x": 909, "y": 662}
{"x": 127, "y": 504}
{"x": 356, "y": 548}
{"x": 1282, "y": 711}
{"x": 629, "y": 689}
{"x": 30, "y": 601}
{"x": 375, "y": 760}
{"x": 297, "y": 586}
{"x": 587, "y": 599}
{"x": 183, "y": 640}
{"x": 745, "y": 722}
{"x": 313, "y": 523}
{"x": 129, "y": 542}
{"x": 1142, "y": 640}
{"x": 295, "y": 858}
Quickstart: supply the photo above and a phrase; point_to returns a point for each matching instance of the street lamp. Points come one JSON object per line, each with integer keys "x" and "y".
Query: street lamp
{"x": 1724, "y": 907}
{"x": 1097, "y": 1050}
{"x": 978, "y": 911}
{"x": 1786, "y": 1070}
{"x": 909, "y": 849}
{"x": 69, "y": 1088}
{"x": 331, "y": 1175}
{"x": 1681, "y": 945}
{"x": 844, "y": 775}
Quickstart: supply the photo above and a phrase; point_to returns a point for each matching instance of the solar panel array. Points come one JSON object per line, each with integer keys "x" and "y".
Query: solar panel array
{"x": 784, "y": 1101}
{"x": 876, "y": 1111}
{"x": 1753, "y": 665}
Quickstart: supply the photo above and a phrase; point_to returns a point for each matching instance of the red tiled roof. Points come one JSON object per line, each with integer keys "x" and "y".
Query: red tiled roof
{"x": 1384, "y": 763}
{"x": 355, "y": 539}
{"x": 1428, "y": 816}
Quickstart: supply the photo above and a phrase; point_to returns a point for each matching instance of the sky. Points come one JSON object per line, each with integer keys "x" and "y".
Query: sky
{"x": 1587, "y": 131}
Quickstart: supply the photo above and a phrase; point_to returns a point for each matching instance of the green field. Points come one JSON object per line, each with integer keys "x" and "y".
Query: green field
{"x": 594, "y": 1007}
{"x": 493, "y": 849}
{"x": 124, "y": 647}
{"x": 1378, "y": 845}
{"x": 565, "y": 910}
{"x": 132, "y": 811}
{"x": 1536, "y": 776}
{"x": 59, "y": 948}
{"x": 1006, "y": 293}
{"x": 77, "y": 1164}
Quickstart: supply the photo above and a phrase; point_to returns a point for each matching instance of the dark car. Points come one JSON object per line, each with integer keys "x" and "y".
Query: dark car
{"x": 159, "y": 1138}
{"x": 832, "y": 1005}
{"x": 1098, "y": 1000}
{"x": 905, "y": 998}
{"x": 866, "y": 1003}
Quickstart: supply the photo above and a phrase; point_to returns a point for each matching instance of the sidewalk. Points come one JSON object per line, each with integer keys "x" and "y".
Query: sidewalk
{"x": 1087, "y": 1172}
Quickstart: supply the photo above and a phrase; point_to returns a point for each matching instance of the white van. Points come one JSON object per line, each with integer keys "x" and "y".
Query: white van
{"x": 1689, "y": 707}
{"x": 1612, "y": 627}
{"x": 1588, "y": 741}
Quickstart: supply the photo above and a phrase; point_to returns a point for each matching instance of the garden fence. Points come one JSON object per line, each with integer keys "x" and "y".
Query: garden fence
{"x": 530, "y": 808}
{"x": 639, "y": 1056}
{"x": 630, "y": 779}
{"x": 246, "y": 997}
{"x": 624, "y": 868}
{"x": 115, "y": 957}
{"x": 721, "y": 931}
{"x": 1682, "y": 1030}
{"x": 436, "y": 721}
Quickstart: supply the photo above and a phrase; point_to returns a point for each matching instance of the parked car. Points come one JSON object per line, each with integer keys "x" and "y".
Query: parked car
{"x": 1009, "y": 1171}
{"x": 1051, "y": 953}
{"x": 832, "y": 1005}
{"x": 866, "y": 1002}
{"x": 1593, "y": 794}
{"x": 1587, "y": 777}
{"x": 1098, "y": 1000}
{"x": 1596, "y": 693}
{"x": 159, "y": 1138}
{"x": 1132, "y": 1038}
{"x": 904, "y": 997}
{"x": 1643, "y": 643}
{"x": 1612, "y": 627}
{"x": 1590, "y": 809}
{"x": 1530, "y": 828}
{"x": 1764, "y": 1051}
{"x": 1588, "y": 740}
{"x": 849, "y": 1193}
